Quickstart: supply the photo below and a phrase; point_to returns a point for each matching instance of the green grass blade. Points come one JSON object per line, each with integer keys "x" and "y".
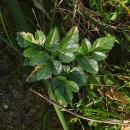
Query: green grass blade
{"x": 99, "y": 6}
{"x": 102, "y": 28}
{"x": 17, "y": 15}
{"x": 53, "y": 15}
{"x": 104, "y": 113}
{"x": 9, "y": 42}
{"x": 57, "y": 109}
{"x": 125, "y": 34}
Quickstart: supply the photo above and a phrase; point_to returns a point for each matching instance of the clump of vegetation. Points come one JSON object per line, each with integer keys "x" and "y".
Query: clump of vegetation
{"x": 78, "y": 73}
{"x": 66, "y": 59}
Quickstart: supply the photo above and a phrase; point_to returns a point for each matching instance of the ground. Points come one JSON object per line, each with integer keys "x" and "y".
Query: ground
{"x": 19, "y": 108}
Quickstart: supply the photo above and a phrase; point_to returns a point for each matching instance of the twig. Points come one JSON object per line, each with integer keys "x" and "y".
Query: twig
{"x": 78, "y": 115}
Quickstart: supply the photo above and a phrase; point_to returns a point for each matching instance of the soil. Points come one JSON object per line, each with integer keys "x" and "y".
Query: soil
{"x": 19, "y": 108}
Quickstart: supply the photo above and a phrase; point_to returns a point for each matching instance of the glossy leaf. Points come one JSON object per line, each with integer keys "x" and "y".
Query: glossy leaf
{"x": 64, "y": 90}
{"x": 38, "y": 59}
{"x": 57, "y": 67}
{"x": 40, "y": 72}
{"x": 104, "y": 44}
{"x": 71, "y": 38}
{"x": 40, "y": 37}
{"x": 88, "y": 64}
{"x": 25, "y": 39}
{"x": 66, "y": 57}
{"x": 44, "y": 71}
{"x": 52, "y": 40}
{"x": 98, "y": 56}
{"x": 31, "y": 52}
{"x": 85, "y": 46}
{"x": 66, "y": 68}
{"x": 78, "y": 76}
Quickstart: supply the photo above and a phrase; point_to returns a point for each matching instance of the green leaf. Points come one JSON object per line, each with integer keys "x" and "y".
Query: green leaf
{"x": 64, "y": 89}
{"x": 71, "y": 38}
{"x": 57, "y": 67}
{"x": 38, "y": 59}
{"x": 85, "y": 46}
{"x": 40, "y": 37}
{"x": 71, "y": 48}
{"x": 67, "y": 57}
{"x": 95, "y": 79}
{"x": 104, "y": 44}
{"x": 65, "y": 71}
{"x": 88, "y": 64}
{"x": 98, "y": 56}
{"x": 52, "y": 40}
{"x": 25, "y": 39}
{"x": 40, "y": 72}
{"x": 45, "y": 71}
{"x": 66, "y": 68}
{"x": 31, "y": 52}
{"x": 78, "y": 76}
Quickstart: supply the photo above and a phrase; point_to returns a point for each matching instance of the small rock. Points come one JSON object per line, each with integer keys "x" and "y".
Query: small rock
{"x": 5, "y": 106}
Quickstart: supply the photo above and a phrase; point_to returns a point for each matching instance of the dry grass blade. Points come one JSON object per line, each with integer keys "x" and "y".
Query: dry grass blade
{"x": 39, "y": 6}
{"x": 78, "y": 115}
